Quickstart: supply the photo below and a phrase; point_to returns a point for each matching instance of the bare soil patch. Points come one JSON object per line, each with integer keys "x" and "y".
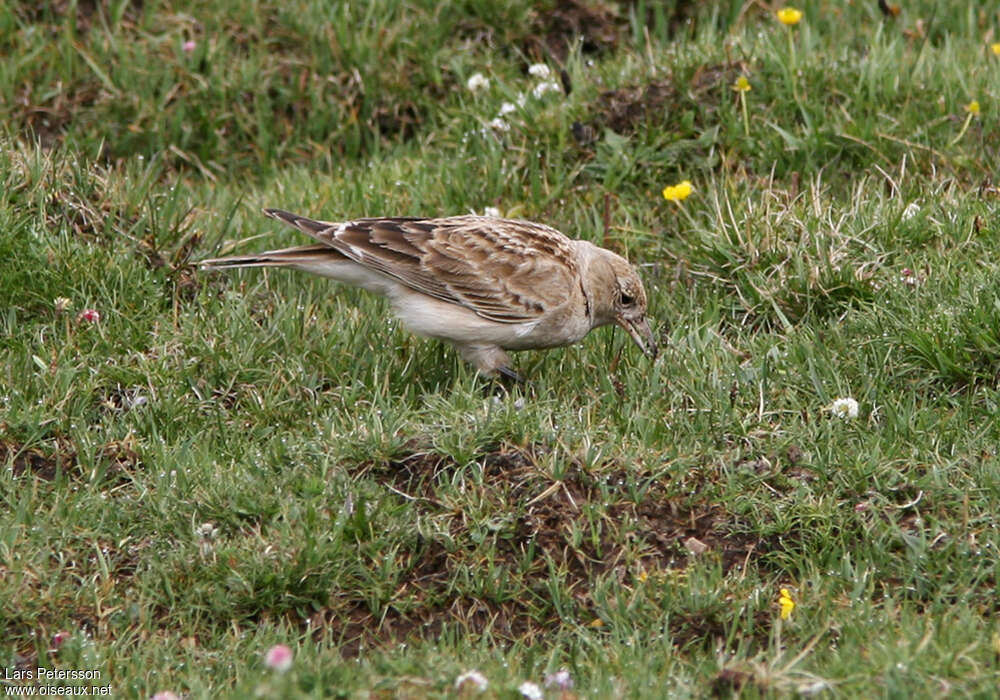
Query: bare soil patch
{"x": 596, "y": 25}
{"x": 659, "y": 531}
{"x": 625, "y": 110}
{"x": 116, "y": 459}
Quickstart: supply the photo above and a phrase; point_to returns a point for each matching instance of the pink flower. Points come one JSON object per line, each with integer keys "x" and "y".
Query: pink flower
{"x": 189, "y": 46}
{"x": 59, "y": 638}
{"x": 278, "y": 658}
{"x": 90, "y": 316}
{"x": 165, "y": 695}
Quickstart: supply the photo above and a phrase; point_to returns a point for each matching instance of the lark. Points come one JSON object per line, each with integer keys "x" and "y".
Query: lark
{"x": 486, "y": 285}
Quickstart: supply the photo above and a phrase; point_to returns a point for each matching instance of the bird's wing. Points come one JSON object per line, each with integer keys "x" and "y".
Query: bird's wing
{"x": 503, "y": 270}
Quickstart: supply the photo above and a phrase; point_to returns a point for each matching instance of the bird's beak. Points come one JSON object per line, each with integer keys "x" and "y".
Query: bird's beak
{"x": 641, "y": 333}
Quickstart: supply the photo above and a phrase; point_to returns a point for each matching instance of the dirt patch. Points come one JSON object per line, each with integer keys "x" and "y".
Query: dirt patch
{"x": 113, "y": 461}
{"x": 590, "y": 523}
{"x": 82, "y": 13}
{"x": 628, "y": 108}
{"x": 625, "y": 109}
{"x": 555, "y": 30}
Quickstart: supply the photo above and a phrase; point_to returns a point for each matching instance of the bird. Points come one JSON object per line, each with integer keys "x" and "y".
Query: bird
{"x": 486, "y": 285}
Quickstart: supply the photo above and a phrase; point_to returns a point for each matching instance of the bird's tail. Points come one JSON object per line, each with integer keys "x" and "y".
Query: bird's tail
{"x": 302, "y": 223}
{"x": 286, "y": 257}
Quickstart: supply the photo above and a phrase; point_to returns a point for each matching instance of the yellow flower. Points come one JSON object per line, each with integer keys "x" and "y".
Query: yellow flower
{"x": 995, "y": 48}
{"x": 973, "y": 108}
{"x": 643, "y": 576}
{"x": 678, "y": 192}
{"x": 789, "y": 15}
{"x": 786, "y": 603}
{"x": 741, "y": 84}
{"x": 595, "y": 623}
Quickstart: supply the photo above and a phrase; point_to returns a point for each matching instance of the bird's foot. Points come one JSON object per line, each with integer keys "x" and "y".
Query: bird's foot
{"x": 506, "y": 373}
{"x": 503, "y": 382}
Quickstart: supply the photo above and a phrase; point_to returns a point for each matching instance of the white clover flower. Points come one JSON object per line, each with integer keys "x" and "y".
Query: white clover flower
{"x": 477, "y": 82}
{"x": 539, "y": 70}
{"x": 530, "y": 690}
{"x": 474, "y": 679}
{"x": 846, "y": 408}
{"x": 506, "y": 108}
{"x": 912, "y": 209}
{"x": 560, "y": 679}
{"x": 491, "y": 211}
{"x": 542, "y": 88}
{"x": 206, "y": 531}
{"x": 500, "y": 125}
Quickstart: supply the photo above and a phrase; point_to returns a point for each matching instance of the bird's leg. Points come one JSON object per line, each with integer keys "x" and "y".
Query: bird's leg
{"x": 488, "y": 359}
{"x": 493, "y": 363}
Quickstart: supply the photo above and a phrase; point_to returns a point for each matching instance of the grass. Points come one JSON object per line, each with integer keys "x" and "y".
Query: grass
{"x": 222, "y": 463}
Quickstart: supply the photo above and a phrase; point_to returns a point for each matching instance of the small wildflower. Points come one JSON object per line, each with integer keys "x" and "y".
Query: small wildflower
{"x": 995, "y": 48}
{"x": 789, "y": 16}
{"x": 62, "y": 304}
{"x": 846, "y": 408}
{"x": 477, "y": 82}
{"x": 595, "y": 623}
{"x": 60, "y": 638}
{"x": 786, "y": 603}
{"x": 506, "y": 108}
{"x": 973, "y": 112}
{"x": 90, "y": 316}
{"x": 643, "y": 576}
{"x": 548, "y": 86}
{"x": 539, "y": 70}
{"x": 742, "y": 86}
{"x": 560, "y": 679}
{"x": 908, "y": 277}
{"x": 165, "y": 695}
{"x": 678, "y": 192}
{"x": 491, "y": 211}
{"x": 206, "y": 531}
{"x": 530, "y": 690}
{"x": 499, "y": 124}
{"x": 472, "y": 679}
{"x": 278, "y": 658}
{"x": 189, "y": 46}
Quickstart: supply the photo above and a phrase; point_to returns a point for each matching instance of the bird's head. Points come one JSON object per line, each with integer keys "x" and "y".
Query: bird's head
{"x": 619, "y": 297}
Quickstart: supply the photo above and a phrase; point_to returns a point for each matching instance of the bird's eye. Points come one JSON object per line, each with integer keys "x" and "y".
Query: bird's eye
{"x": 627, "y": 299}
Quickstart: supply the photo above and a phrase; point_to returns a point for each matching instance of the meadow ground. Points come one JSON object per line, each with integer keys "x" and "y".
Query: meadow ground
{"x": 195, "y": 467}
